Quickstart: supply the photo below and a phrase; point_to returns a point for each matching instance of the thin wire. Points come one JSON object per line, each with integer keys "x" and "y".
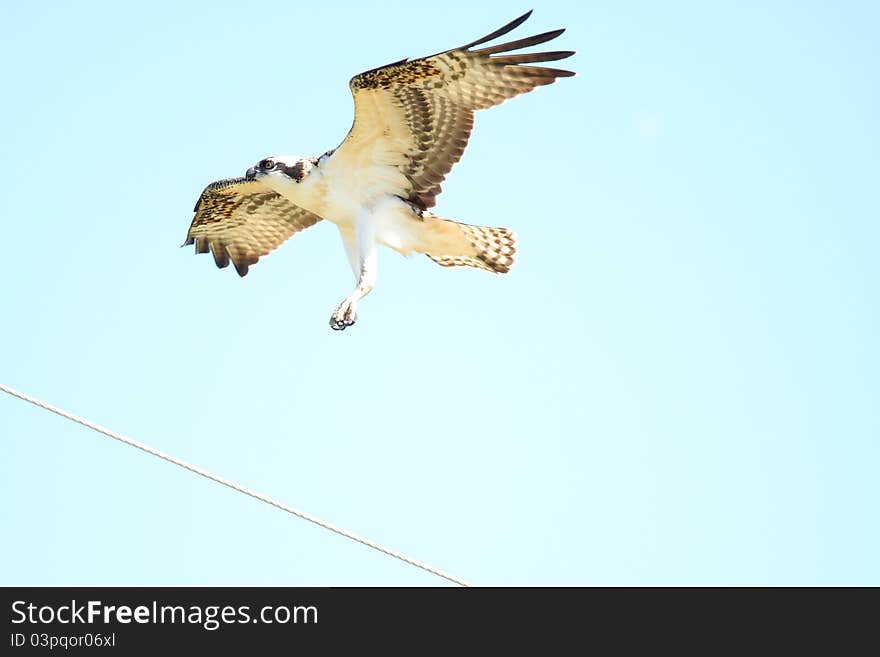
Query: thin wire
{"x": 241, "y": 489}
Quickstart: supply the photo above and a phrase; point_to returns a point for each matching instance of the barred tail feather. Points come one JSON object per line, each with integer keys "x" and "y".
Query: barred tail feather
{"x": 483, "y": 247}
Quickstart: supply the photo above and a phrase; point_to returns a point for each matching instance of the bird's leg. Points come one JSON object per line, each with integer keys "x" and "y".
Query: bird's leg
{"x": 361, "y": 251}
{"x": 346, "y": 313}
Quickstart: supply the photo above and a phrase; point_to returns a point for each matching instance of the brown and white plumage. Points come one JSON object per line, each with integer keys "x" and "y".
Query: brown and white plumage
{"x": 412, "y": 123}
{"x": 240, "y": 220}
{"x": 419, "y": 114}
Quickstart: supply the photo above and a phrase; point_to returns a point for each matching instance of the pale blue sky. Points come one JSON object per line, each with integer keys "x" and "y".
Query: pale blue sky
{"x": 678, "y": 383}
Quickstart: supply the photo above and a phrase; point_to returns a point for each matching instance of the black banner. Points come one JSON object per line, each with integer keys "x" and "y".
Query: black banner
{"x": 126, "y": 621}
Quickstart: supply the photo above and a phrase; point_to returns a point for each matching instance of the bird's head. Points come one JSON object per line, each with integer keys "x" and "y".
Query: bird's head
{"x": 281, "y": 170}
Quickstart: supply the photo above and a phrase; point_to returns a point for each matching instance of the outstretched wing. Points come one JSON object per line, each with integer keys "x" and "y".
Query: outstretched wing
{"x": 240, "y": 220}
{"x": 416, "y": 116}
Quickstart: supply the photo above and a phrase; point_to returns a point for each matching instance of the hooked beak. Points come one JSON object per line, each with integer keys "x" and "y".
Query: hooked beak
{"x": 251, "y": 173}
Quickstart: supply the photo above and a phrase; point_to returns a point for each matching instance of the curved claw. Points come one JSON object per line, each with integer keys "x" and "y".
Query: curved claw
{"x": 343, "y": 318}
{"x": 340, "y": 324}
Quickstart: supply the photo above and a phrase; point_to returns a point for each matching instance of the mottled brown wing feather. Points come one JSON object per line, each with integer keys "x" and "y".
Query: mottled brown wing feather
{"x": 422, "y": 111}
{"x": 240, "y": 220}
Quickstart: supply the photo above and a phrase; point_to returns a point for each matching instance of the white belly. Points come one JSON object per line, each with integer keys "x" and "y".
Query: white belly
{"x": 394, "y": 223}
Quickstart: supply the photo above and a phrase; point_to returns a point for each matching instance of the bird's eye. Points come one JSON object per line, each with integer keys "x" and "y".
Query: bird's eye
{"x": 267, "y": 165}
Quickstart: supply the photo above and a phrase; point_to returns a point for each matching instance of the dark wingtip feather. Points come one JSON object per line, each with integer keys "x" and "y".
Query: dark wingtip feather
{"x": 241, "y": 268}
{"x": 521, "y": 43}
{"x": 202, "y": 245}
{"x": 541, "y": 72}
{"x": 221, "y": 258}
{"x": 530, "y": 57}
{"x": 512, "y": 25}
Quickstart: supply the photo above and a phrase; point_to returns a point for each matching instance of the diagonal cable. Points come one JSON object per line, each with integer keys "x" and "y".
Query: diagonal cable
{"x": 241, "y": 489}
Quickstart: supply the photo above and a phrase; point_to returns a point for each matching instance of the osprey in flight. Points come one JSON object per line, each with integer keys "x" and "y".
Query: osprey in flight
{"x": 411, "y": 125}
